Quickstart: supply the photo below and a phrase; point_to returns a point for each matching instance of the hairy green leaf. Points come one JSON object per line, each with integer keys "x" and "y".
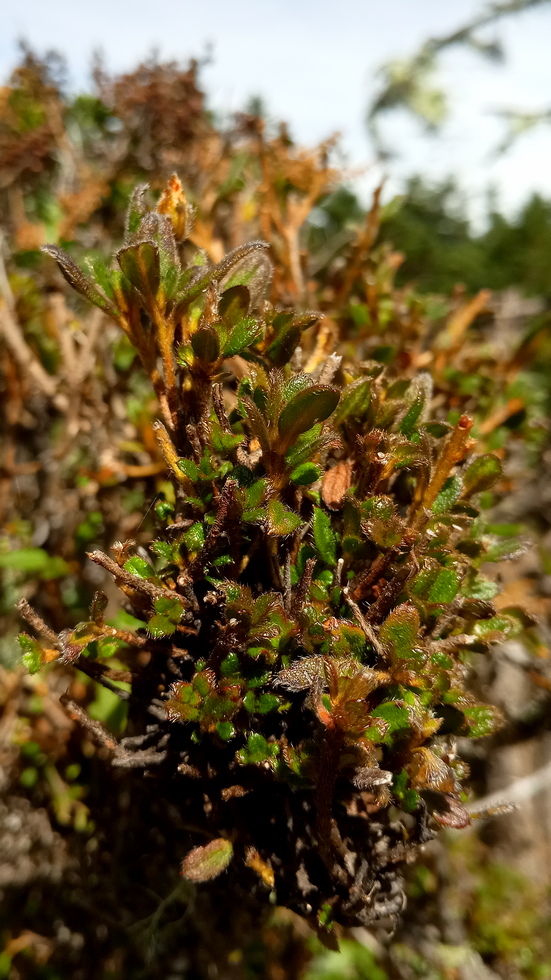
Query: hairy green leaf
{"x": 324, "y": 537}
{"x": 76, "y": 278}
{"x": 483, "y": 472}
{"x": 400, "y": 631}
{"x": 281, "y": 520}
{"x": 312, "y": 405}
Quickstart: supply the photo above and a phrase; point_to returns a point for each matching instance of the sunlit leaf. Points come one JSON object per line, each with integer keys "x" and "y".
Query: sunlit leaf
{"x": 138, "y": 566}
{"x": 483, "y": 472}
{"x": 400, "y": 631}
{"x": 324, "y": 537}
{"x": 242, "y": 336}
{"x": 445, "y": 586}
{"x": 449, "y": 493}
{"x": 281, "y": 520}
{"x": 32, "y": 653}
{"x": 312, "y": 405}
{"x": 80, "y": 283}
{"x": 141, "y": 266}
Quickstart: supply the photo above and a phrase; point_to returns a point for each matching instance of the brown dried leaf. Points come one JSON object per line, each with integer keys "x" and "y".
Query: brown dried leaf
{"x": 335, "y": 484}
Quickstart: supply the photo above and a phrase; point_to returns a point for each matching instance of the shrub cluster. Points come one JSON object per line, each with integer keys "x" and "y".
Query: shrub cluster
{"x": 306, "y": 616}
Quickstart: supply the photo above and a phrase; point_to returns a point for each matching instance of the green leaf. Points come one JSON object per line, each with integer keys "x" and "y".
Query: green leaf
{"x": 137, "y": 210}
{"x": 164, "y": 550}
{"x": 283, "y": 347}
{"x": 101, "y": 275}
{"x": 141, "y": 266}
{"x": 305, "y": 474}
{"x": 483, "y": 472}
{"x": 306, "y": 447}
{"x": 247, "y": 265}
{"x": 437, "y": 429}
{"x": 234, "y": 304}
{"x": 230, "y": 664}
{"x": 257, "y": 750}
{"x": 159, "y": 626}
{"x": 408, "y": 798}
{"x": 194, "y": 538}
{"x": 287, "y": 329}
{"x": 400, "y": 631}
{"x": 324, "y": 537}
{"x": 281, "y": 520}
{"x": 190, "y": 469}
{"x": 109, "y": 646}
{"x": 204, "y": 863}
{"x": 394, "y": 715}
{"x": 381, "y": 522}
{"x": 313, "y": 405}
{"x": 267, "y": 702}
{"x": 225, "y": 730}
{"x": 242, "y": 336}
{"x": 31, "y": 658}
{"x": 354, "y": 402}
{"x": 223, "y": 442}
{"x": 184, "y": 705}
{"x": 410, "y": 419}
{"x": 76, "y": 278}
{"x": 254, "y": 494}
{"x": 260, "y": 704}
{"x": 448, "y": 495}
{"x": 206, "y": 344}
{"x": 171, "y": 608}
{"x": 138, "y": 566}
{"x": 253, "y": 515}
{"x": 478, "y": 587}
{"x": 497, "y": 628}
{"x": 164, "y": 510}
{"x": 445, "y": 586}
{"x": 482, "y": 720}
{"x": 382, "y": 508}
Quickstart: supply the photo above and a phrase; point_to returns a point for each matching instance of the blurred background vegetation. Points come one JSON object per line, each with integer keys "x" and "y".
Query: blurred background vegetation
{"x": 411, "y": 281}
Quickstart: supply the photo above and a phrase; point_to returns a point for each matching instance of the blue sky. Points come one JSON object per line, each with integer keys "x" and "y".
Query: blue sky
{"x": 314, "y": 62}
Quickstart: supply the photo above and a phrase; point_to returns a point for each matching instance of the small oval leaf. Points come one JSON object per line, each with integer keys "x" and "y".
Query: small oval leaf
{"x": 204, "y": 863}
{"x": 206, "y": 345}
{"x": 141, "y": 266}
{"x": 483, "y": 472}
{"x": 312, "y": 405}
{"x": 281, "y": 520}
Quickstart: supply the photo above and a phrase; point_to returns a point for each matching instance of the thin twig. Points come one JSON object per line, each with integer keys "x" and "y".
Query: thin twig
{"x": 220, "y": 408}
{"x": 303, "y": 586}
{"x": 518, "y": 792}
{"x": 451, "y": 642}
{"x": 38, "y": 624}
{"x": 98, "y": 673}
{"x": 288, "y": 595}
{"x": 195, "y": 568}
{"x": 95, "y": 729}
{"x": 123, "y": 758}
{"x": 366, "y": 627}
{"x": 130, "y": 580}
